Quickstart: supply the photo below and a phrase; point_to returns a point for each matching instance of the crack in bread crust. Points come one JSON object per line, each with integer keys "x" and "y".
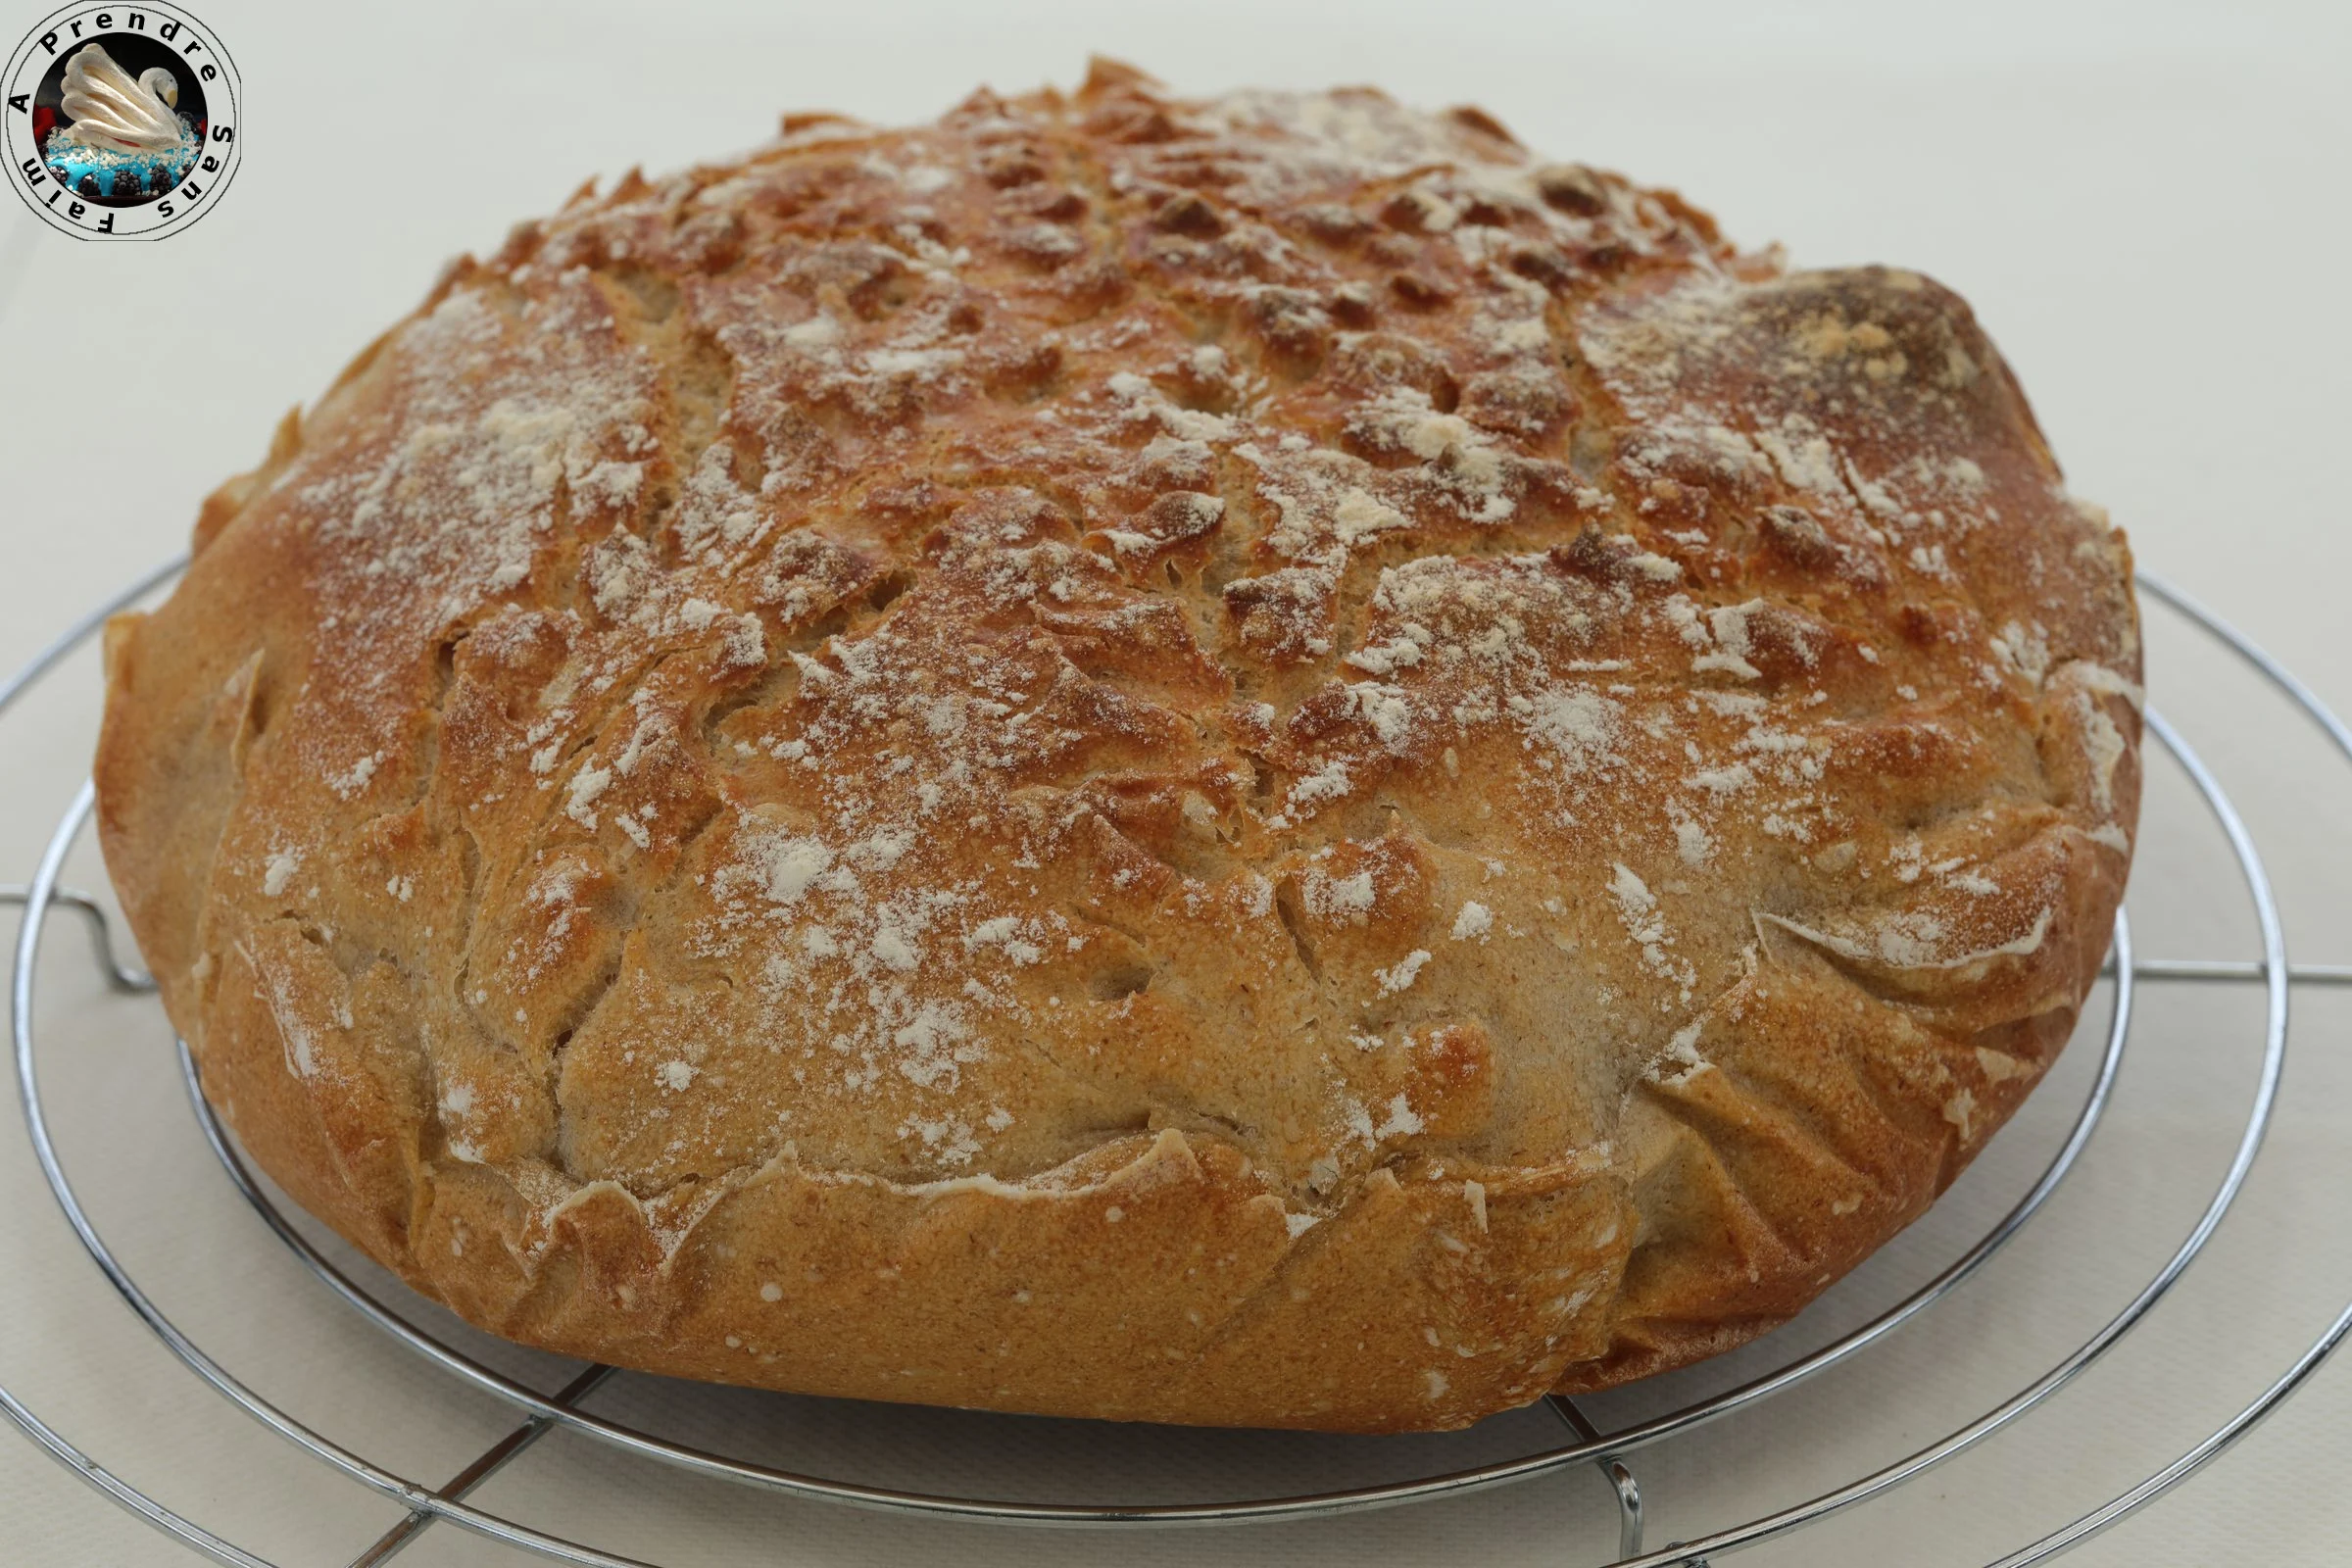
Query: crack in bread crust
{"x": 1252, "y": 761}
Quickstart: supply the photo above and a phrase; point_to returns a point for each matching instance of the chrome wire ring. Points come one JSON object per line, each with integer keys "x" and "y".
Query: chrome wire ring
{"x": 1605, "y": 1449}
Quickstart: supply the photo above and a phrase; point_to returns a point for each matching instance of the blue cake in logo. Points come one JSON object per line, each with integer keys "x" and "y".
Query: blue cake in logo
{"x": 120, "y": 133}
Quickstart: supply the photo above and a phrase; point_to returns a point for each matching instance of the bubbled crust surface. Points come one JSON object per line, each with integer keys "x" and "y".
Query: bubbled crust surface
{"x": 1253, "y": 762}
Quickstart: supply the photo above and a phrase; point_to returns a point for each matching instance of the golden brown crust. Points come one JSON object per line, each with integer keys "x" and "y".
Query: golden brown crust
{"x": 1248, "y": 762}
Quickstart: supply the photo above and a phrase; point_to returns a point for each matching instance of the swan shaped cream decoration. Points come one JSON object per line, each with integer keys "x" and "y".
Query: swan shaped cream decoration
{"x": 110, "y": 110}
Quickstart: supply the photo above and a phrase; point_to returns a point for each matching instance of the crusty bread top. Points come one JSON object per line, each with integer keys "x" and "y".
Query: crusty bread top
{"x": 934, "y": 656}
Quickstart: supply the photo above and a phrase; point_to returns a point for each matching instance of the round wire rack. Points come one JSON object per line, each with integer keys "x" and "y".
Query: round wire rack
{"x": 1578, "y": 1443}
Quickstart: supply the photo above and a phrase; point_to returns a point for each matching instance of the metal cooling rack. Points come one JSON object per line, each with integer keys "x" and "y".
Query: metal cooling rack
{"x": 1587, "y": 1445}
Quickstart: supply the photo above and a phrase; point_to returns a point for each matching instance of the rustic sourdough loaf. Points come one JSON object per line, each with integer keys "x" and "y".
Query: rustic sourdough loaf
{"x": 1248, "y": 761}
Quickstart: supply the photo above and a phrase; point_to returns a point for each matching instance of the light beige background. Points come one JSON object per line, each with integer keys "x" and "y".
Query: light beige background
{"x": 2145, "y": 203}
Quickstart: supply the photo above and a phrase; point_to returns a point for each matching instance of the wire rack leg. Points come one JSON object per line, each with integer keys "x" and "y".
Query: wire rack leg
{"x": 120, "y": 976}
{"x": 1629, "y": 1506}
{"x": 489, "y": 1462}
{"x": 1621, "y": 1481}
{"x": 1613, "y": 1470}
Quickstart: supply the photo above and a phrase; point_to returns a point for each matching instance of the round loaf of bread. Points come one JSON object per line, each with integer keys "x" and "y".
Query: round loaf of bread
{"x": 1254, "y": 762}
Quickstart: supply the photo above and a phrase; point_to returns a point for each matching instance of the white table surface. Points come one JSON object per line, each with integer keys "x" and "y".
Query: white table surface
{"x": 2145, "y": 203}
